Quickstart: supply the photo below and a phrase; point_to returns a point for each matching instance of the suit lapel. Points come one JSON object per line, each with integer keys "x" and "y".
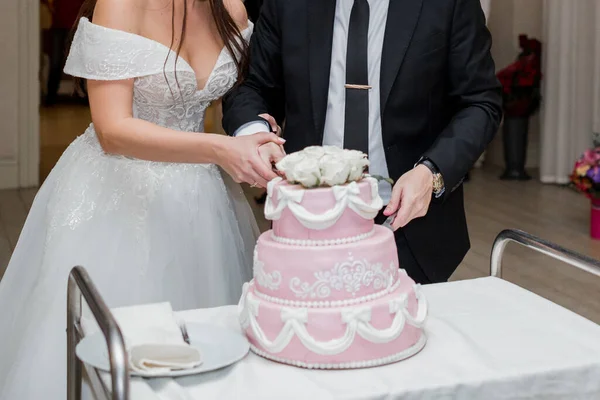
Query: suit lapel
{"x": 401, "y": 22}
{"x": 321, "y": 14}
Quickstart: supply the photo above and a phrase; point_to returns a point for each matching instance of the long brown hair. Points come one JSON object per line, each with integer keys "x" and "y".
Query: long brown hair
{"x": 228, "y": 30}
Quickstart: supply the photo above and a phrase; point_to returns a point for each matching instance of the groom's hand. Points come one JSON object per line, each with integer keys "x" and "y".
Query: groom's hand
{"x": 411, "y": 196}
{"x": 240, "y": 157}
{"x": 274, "y": 127}
{"x": 271, "y": 153}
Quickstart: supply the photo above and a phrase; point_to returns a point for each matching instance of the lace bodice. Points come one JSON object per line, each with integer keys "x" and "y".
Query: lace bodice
{"x": 165, "y": 86}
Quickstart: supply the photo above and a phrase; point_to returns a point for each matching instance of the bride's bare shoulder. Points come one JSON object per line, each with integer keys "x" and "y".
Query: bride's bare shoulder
{"x": 238, "y": 13}
{"x": 125, "y": 15}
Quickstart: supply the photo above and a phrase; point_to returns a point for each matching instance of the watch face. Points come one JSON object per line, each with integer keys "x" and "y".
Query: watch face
{"x": 438, "y": 183}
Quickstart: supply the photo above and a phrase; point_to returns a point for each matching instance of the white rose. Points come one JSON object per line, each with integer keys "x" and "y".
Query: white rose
{"x": 358, "y": 162}
{"x": 354, "y": 155}
{"x": 306, "y": 172}
{"x": 329, "y": 165}
{"x": 288, "y": 162}
{"x": 333, "y": 150}
{"x": 357, "y": 169}
{"x": 334, "y": 170}
{"x": 314, "y": 152}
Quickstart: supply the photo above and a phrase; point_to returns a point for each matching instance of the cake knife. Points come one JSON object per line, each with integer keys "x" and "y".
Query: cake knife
{"x": 389, "y": 221}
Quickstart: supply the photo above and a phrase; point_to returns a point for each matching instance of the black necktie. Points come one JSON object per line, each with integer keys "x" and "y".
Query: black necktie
{"x": 356, "y": 135}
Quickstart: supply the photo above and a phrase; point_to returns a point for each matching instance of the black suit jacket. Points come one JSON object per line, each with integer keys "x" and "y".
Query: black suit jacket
{"x": 253, "y": 9}
{"x": 440, "y": 98}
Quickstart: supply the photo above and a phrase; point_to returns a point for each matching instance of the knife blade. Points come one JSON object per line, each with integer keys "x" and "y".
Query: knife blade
{"x": 389, "y": 221}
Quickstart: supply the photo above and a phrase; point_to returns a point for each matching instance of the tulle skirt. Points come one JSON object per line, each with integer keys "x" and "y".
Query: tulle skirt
{"x": 146, "y": 232}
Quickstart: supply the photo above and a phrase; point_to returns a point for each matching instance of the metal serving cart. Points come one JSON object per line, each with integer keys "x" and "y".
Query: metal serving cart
{"x": 81, "y": 288}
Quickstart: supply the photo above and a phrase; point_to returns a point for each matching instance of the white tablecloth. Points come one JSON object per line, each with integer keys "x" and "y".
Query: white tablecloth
{"x": 488, "y": 339}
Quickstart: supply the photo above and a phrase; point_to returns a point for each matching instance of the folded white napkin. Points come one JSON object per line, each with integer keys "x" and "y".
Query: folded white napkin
{"x": 153, "y": 339}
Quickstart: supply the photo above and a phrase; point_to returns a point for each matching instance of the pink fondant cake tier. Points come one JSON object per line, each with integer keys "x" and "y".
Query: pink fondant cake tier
{"x": 374, "y": 333}
{"x": 317, "y": 203}
{"x": 326, "y": 274}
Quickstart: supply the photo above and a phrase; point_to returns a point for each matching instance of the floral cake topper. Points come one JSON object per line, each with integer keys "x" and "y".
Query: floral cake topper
{"x": 323, "y": 166}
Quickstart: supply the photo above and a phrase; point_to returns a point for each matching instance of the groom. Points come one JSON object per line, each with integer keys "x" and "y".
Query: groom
{"x": 410, "y": 82}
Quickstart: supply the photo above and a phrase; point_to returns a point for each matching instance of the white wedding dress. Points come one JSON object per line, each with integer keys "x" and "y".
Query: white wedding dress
{"x": 145, "y": 231}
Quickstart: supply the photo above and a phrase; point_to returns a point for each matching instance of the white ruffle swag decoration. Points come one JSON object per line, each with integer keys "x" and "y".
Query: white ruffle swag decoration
{"x": 347, "y": 196}
{"x": 357, "y": 321}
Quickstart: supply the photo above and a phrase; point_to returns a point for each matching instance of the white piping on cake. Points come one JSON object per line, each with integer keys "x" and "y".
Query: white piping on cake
{"x": 270, "y": 280}
{"x": 411, "y": 351}
{"x": 357, "y": 320}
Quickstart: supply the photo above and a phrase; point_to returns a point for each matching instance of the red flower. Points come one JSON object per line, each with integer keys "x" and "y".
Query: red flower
{"x": 526, "y": 80}
{"x": 521, "y": 80}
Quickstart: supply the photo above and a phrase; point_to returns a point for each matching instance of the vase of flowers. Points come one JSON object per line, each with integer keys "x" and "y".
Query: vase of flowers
{"x": 521, "y": 94}
{"x": 586, "y": 179}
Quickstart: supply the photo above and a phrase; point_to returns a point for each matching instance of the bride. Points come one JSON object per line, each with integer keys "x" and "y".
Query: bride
{"x": 139, "y": 199}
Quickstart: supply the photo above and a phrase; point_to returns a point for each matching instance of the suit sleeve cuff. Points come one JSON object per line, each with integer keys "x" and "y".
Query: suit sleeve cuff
{"x": 251, "y": 128}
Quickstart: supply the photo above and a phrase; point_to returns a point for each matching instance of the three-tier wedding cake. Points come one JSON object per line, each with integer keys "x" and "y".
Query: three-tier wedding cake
{"x": 327, "y": 290}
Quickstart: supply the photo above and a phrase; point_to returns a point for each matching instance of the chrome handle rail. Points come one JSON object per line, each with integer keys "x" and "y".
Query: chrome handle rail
{"x": 80, "y": 285}
{"x": 553, "y": 250}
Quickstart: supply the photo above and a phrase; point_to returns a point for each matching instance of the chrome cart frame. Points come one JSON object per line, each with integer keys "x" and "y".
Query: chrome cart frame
{"x": 553, "y": 250}
{"x": 80, "y": 286}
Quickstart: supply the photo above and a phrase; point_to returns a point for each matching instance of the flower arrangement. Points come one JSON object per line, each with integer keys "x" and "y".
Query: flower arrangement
{"x": 521, "y": 80}
{"x": 586, "y": 173}
{"x": 323, "y": 166}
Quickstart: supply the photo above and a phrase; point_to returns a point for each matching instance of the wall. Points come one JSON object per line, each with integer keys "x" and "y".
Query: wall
{"x": 19, "y": 93}
{"x": 508, "y": 19}
{"x": 9, "y": 80}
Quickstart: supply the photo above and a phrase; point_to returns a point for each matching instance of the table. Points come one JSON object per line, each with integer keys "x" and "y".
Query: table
{"x": 487, "y": 339}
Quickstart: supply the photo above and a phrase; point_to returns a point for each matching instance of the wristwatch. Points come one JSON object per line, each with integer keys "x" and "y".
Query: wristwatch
{"x": 438, "y": 179}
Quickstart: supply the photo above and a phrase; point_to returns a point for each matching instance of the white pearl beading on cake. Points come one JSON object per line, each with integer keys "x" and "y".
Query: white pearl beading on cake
{"x": 346, "y": 196}
{"x": 327, "y": 242}
{"x": 411, "y": 351}
{"x": 328, "y": 304}
{"x": 357, "y": 321}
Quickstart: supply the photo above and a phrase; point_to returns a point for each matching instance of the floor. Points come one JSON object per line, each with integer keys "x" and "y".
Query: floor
{"x": 59, "y": 126}
{"x": 553, "y": 213}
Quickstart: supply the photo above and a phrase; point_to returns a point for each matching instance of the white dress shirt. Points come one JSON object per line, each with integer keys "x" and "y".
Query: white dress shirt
{"x": 336, "y": 100}
{"x": 486, "y": 5}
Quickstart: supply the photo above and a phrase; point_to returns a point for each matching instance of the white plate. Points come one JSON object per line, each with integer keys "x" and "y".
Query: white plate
{"x": 219, "y": 348}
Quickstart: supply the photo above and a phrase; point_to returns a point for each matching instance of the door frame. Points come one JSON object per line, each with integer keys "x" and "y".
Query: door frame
{"x": 24, "y": 171}
{"x": 29, "y": 99}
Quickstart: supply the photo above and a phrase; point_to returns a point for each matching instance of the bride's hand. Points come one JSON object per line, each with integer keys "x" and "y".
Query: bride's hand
{"x": 240, "y": 158}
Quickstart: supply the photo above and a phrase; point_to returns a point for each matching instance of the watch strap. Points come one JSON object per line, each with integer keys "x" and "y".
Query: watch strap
{"x": 426, "y": 162}
{"x": 437, "y": 177}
